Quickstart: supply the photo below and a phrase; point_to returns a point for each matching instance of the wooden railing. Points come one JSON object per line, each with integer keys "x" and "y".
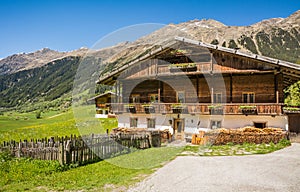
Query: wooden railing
{"x": 200, "y": 67}
{"x": 200, "y": 108}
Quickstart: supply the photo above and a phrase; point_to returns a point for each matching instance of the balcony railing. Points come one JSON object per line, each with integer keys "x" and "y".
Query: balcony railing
{"x": 200, "y": 108}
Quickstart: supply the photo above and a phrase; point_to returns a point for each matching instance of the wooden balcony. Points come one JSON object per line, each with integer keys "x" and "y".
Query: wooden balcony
{"x": 200, "y": 108}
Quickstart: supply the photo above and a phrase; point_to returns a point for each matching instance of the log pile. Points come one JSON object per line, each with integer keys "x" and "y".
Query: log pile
{"x": 165, "y": 136}
{"x": 156, "y": 136}
{"x": 244, "y": 135}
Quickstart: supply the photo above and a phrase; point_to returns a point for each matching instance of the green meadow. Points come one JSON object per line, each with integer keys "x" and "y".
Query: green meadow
{"x": 21, "y": 126}
{"x": 118, "y": 173}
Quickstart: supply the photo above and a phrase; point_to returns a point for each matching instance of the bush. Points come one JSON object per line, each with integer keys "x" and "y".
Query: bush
{"x": 38, "y": 114}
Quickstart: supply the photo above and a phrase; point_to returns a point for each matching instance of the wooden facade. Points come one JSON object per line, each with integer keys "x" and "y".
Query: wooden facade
{"x": 199, "y": 79}
{"x": 103, "y": 105}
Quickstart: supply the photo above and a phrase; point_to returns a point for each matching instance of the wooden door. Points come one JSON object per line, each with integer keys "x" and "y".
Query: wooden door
{"x": 178, "y": 129}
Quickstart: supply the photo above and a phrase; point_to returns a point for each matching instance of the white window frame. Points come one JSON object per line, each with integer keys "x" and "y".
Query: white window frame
{"x": 248, "y": 97}
{"x": 215, "y": 97}
{"x": 151, "y": 124}
{"x": 179, "y": 99}
{"x": 131, "y": 124}
{"x": 212, "y": 122}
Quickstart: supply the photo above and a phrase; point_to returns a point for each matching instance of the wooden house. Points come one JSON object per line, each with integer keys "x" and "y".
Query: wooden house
{"x": 103, "y": 104}
{"x": 190, "y": 85}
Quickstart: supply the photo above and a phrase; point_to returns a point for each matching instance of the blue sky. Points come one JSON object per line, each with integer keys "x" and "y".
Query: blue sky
{"x": 66, "y": 25}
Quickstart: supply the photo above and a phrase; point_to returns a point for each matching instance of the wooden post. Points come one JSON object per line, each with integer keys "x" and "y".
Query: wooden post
{"x": 231, "y": 88}
{"x": 68, "y": 152}
{"x": 276, "y": 87}
{"x": 212, "y": 95}
{"x": 197, "y": 88}
{"x": 61, "y": 153}
{"x": 211, "y": 63}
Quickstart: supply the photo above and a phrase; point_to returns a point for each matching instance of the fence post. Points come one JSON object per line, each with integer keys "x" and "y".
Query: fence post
{"x": 61, "y": 152}
{"x": 68, "y": 152}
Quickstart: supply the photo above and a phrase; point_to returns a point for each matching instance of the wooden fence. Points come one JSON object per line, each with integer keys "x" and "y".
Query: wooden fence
{"x": 69, "y": 150}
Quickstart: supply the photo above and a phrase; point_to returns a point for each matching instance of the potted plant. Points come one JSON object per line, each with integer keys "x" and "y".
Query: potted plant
{"x": 216, "y": 109}
{"x": 149, "y": 108}
{"x": 178, "y": 108}
{"x": 178, "y": 52}
{"x": 248, "y": 109}
{"x": 291, "y": 109}
{"x": 130, "y": 108}
{"x": 185, "y": 67}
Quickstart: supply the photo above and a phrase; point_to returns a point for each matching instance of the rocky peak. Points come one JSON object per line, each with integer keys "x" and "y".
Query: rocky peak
{"x": 208, "y": 23}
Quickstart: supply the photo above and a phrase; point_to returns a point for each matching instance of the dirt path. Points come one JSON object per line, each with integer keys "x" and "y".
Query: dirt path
{"x": 55, "y": 116}
{"x": 278, "y": 171}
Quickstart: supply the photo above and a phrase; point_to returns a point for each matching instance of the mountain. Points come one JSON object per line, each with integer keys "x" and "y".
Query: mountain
{"x": 48, "y": 82}
{"x": 276, "y": 37}
{"x": 25, "y": 61}
{"x": 47, "y": 75}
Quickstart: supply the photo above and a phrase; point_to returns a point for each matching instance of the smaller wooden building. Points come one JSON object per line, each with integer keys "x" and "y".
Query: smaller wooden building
{"x": 103, "y": 105}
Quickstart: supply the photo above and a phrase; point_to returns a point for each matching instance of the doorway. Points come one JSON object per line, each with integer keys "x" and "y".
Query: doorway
{"x": 178, "y": 129}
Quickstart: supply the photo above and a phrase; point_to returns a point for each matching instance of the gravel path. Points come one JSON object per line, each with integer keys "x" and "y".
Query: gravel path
{"x": 278, "y": 171}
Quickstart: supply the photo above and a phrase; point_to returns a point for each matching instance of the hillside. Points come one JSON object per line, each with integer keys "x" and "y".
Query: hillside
{"x": 25, "y": 61}
{"x": 45, "y": 83}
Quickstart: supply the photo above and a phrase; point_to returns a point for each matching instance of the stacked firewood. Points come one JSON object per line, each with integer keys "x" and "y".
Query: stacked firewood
{"x": 244, "y": 135}
{"x": 165, "y": 135}
{"x": 127, "y": 130}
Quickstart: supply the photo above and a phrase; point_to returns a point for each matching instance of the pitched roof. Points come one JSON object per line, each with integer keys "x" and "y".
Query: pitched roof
{"x": 240, "y": 53}
{"x": 290, "y": 70}
{"x": 102, "y": 95}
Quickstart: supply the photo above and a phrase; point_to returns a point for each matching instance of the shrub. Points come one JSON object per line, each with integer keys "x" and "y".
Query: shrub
{"x": 38, "y": 114}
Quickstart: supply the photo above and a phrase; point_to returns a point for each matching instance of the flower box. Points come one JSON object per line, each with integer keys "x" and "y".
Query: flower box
{"x": 178, "y": 108}
{"x": 179, "y": 52}
{"x": 185, "y": 67}
{"x": 216, "y": 110}
{"x": 130, "y": 108}
{"x": 291, "y": 109}
{"x": 248, "y": 110}
{"x": 149, "y": 109}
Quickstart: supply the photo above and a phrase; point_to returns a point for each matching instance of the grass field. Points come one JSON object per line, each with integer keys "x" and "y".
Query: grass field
{"x": 116, "y": 173}
{"x": 16, "y": 126}
{"x": 35, "y": 175}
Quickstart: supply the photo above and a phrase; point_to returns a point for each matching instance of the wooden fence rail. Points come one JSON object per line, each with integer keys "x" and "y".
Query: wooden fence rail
{"x": 69, "y": 150}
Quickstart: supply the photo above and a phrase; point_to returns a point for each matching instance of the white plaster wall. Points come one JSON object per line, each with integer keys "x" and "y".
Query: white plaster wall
{"x": 161, "y": 121}
{"x": 195, "y": 122}
{"x": 101, "y": 116}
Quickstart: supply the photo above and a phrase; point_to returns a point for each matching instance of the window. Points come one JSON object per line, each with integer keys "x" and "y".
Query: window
{"x": 133, "y": 122}
{"x": 248, "y": 97}
{"x": 150, "y": 123}
{"x": 215, "y": 124}
{"x": 180, "y": 97}
{"x": 217, "y": 97}
{"x": 153, "y": 98}
{"x": 135, "y": 98}
{"x": 260, "y": 124}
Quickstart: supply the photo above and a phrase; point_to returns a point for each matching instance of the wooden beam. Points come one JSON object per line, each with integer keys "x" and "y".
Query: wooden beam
{"x": 230, "y": 88}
